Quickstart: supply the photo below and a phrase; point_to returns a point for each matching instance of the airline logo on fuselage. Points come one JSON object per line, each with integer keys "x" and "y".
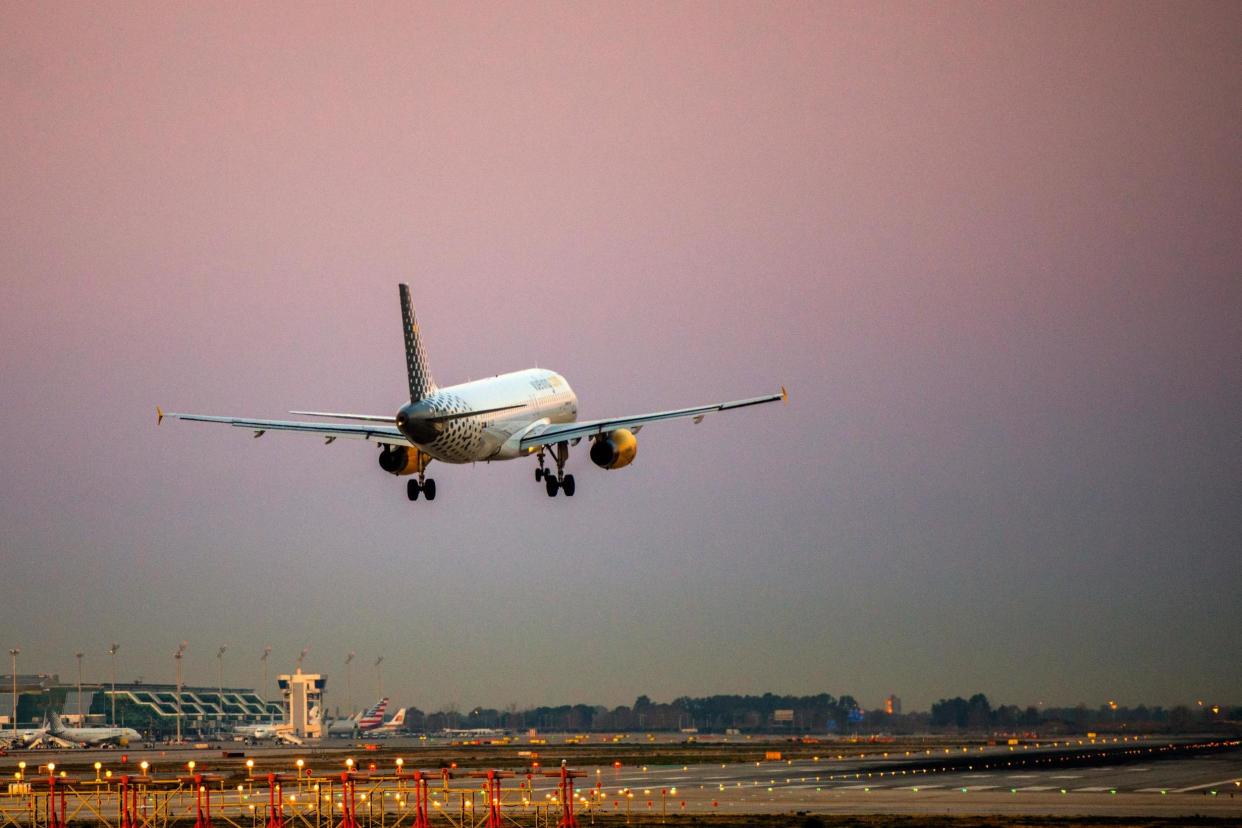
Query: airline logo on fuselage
{"x": 548, "y": 384}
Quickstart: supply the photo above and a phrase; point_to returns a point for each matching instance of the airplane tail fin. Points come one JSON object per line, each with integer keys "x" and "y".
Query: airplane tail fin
{"x": 421, "y": 383}
{"x": 55, "y": 725}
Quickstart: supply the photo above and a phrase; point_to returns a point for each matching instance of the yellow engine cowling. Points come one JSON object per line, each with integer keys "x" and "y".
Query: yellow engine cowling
{"x": 614, "y": 450}
{"x": 400, "y": 460}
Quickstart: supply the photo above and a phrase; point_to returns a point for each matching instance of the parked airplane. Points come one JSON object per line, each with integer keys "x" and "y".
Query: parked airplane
{"x": 472, "y": 732}
{"x": 366, "y": 720}
{"x": 505, "y": 417}
{"x": 91, "y": 736}
{"x": 273, "y": 732}
{"x": 394, "y": 725}
{"x": 373, "y": 718}
{"x": 23, "y": 738}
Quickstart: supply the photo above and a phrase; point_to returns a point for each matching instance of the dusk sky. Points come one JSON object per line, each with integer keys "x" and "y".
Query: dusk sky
{"x": 994, "y": 251}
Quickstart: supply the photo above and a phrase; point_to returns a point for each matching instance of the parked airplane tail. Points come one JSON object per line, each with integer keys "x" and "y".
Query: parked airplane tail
{"x": 373, "y": 717}
{"x": 416, "y": 369}
{"x": 55, "y": 725}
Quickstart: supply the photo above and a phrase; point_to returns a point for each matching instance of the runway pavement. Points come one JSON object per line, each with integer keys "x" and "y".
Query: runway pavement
{"x": 1150, "y": 778}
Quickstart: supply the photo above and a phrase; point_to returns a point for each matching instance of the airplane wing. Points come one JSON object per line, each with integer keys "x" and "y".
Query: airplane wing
{"x": 555, "y": 433}
{"x": 388, "y": 435}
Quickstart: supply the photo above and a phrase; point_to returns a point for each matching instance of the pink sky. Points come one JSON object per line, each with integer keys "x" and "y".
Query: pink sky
{"x": 992, "y": 249}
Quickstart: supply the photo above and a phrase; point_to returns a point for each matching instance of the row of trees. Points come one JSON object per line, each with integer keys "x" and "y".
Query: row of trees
{"x": 977, "y": 714}
{"x": 824, "y": 713}
{"x": 820, "y": 713}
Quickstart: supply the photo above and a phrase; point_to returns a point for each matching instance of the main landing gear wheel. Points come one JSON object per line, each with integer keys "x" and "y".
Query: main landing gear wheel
{"x": 558, "y": 480}
{"x": 427, "y": 487}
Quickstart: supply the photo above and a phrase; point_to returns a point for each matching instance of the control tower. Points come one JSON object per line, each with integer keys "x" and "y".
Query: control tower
{"x": 303, "y": 699}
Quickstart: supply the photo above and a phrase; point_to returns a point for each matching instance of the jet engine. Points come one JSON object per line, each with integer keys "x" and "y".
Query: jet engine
{"x": 614, "y": 450}
{"x": 403, "y": 460}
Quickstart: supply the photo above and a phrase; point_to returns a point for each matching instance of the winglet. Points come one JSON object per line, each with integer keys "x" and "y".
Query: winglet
{"x": 784, "y": 395}
{"x": 159, "y": 415}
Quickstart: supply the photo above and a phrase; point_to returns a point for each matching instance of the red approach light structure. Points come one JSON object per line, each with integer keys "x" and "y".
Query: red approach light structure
{"x": 421, "y": 819}
{"x": 55, "y": 820}
{"x": 492, "y": 786}
{"x": 566, "y": 788}
{"x": 202, "y": 803}
{"x": 350, "y": 819}
{"x": 275, "y": 802}
{"x": 124, "y": 818}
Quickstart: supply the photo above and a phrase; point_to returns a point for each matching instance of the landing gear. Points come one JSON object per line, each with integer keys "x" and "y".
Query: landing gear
{"x": 426, "y": 485}
{"x": 561, "y": 481}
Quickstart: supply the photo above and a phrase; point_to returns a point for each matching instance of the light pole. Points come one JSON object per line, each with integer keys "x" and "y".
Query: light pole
{"x": 177, "y": 655}
{"x": 112, "y": 652}
{"x": 349, "y": 689}
{"x": 78, "y": 656}
{"x": 267, "y": 651}
{"x": 379, "y": 677}
{"x": 220, "y": 685}
{"x": 13, "y": 653}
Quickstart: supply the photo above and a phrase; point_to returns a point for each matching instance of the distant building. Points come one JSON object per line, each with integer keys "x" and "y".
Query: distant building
{"x": 303, "y": 694}
{"x": 892, "y": 706}
{"x": 137, "y": 703}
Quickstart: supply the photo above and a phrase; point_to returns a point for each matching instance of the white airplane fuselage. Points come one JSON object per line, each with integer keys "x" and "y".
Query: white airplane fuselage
{"x": 528, "y": 398}
{"x": 92, "y": 736}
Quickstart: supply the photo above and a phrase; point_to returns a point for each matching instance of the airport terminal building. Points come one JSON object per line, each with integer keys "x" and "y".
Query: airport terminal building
{"x": 146, "y": 707}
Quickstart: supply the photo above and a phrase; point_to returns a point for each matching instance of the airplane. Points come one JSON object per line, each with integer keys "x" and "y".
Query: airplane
{"x": 373, "y": 719}
{"x": 368, "y": 719}
{"x": 29, "y": 738}
{"x": 471, "y": 732}
{"x": 90, "y": 736}
{"x": 394, "y": 725}
{"x": 508, "y": 416}
{"x": 278, "y": 732}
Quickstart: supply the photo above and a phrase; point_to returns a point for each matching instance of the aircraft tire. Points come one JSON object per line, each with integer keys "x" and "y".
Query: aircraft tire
{"x": 538, "y": 474}
{"x": 411, "y": 489}
{"x": 568, "y": 485}
{"x": 550, "y": 484}
{"x": 429, "y": 489}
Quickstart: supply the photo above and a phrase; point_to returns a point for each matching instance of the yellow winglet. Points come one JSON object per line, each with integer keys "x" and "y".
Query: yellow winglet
{"x": 159, "y": 415}
{"x": 784, "y": 395}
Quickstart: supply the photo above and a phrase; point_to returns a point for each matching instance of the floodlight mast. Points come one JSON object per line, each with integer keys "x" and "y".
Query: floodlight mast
{"x": 220, "y": 685}
{"x": 267, "y": 651}
{"x": 178, "y": 656}
{"x": 112, "y": 652}
{"x": 14, "y": 652}
{"x": 349, "y": 684}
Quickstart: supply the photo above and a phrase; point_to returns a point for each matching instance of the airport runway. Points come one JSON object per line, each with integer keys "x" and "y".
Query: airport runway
{"x": 1210, "y": 785}
{"x": 1152, "y": 778}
